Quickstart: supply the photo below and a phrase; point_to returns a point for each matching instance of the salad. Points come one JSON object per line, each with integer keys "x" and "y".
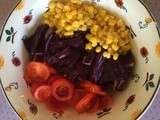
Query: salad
{"x": 79, "y": 56}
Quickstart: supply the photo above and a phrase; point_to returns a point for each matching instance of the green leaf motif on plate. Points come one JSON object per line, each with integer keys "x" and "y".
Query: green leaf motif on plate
{"x": 8, "y": 38}
{"x": 8, "y": 32}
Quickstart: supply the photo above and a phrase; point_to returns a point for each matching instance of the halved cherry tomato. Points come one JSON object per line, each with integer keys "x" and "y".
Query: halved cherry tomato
{"x": 62, "y": 89}
{"x": 52, "y": 70}
{"x": 95, "y": 106}
{"x": 37, "y": 71}
{"x": 35, "y": 85}
{"x": 77, "y": 96}
{"x": 54, "y": 105}
{"x": 42, "y": 93}
{"x": 53, "y": 78}
{"x": 93, "y": 88}
{"x": 86, "y": 103}
{"x": 105, "y": 101}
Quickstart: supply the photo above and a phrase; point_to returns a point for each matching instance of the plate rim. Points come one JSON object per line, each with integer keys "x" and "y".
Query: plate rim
{"x": 145, "y": 108}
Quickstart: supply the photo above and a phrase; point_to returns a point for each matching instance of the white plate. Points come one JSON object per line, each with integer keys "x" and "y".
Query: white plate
{"x": 141, "y": 91}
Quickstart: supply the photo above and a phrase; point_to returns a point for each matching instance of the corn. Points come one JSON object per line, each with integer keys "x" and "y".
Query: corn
{"x": 68, "y": 33}
{"x": 68, "y": 16}
{"x": 98, "y": 49}
{"x": 68, "y": 27}
{"x": 115, "y": 56}
{"x": 115, "y": 47}
{"x": 88, "y": 46}
{"x": 105, "y": 46}
{"x": 106, "y": 55}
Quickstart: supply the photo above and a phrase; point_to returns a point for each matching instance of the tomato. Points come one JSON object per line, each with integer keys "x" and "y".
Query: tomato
{"x": 53, "y": 78}
{"x": 93, "y": 88}
{"x": 77, "y": 95}
{"x": 86, "y": 103}
{"x": 54, "y": 105}
{"x": 42, "y": 93}
{"x": 95, "y": 106}
{"x": 35, "y": 85}
{"x": 36, "y": 71}
{"x": 105, "y": 101}
{"x": 52, "y": 70}
{"x": 62, "y": 89}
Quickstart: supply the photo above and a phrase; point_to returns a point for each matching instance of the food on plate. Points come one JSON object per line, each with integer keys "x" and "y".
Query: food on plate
{"x": 79, "y": 55}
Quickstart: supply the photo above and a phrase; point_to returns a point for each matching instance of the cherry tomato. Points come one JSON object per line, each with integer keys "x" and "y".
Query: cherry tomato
{"x": 42, "y": 93}
{"x": 52, "y": 70}
{"x": 77, "y": 95}
{"x": 35, "y": 85}
{"x": 105, "y": 101}
{"x": 36, "y": 71}
{"x": 93, "y": 88}
{"x": 86, "y": 103}
{"x": 54, "y": 105}
{"x": 95, "y": 106}
{"x": 62, "y": 89}
{"x": 53, "y": 78}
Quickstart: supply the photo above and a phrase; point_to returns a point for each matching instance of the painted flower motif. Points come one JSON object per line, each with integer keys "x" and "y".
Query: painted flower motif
{"x": 28, "y": 17}
{"x": 129, "y": 101}
{"x": 33, "y": 108}
{"x": 135, "y": 114}
{"x": 120, "y": 4}
{"x": 22, "y": 114}
{"x": 10, "y": 34}
{"x": 2, "y": 61}
{"x": 144, "y": 53}
{"x": 20, "y": 5}
{"x": 15, "y": 60}
{"x": 149, "y": 81}
{"x": 157, "y": 49}
{"x": 13, "y": 85}
{"x": 145, "y": 23}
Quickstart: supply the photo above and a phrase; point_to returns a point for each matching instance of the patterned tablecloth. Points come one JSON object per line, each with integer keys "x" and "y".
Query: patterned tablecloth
{"x": 6, "y": 112}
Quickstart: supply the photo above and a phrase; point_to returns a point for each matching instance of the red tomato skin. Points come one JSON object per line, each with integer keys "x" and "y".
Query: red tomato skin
{"x": 42, "y": 93}
{"x": 93, "y": 88}
{"x": 37, "y": 71}
{"x": 54, "y": 105}
{"x": 85, "y": 103}
{"x": 64, "y": 83}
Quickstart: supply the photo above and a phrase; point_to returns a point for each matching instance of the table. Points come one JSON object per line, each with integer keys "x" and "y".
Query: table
{"x": 5, "y": 111}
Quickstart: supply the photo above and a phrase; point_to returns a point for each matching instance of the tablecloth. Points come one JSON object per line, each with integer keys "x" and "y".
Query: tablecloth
{"x": 6, "y": 112}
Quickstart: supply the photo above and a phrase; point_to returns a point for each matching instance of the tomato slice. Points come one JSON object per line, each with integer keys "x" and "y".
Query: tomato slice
{"x": 37, "y": 71}
{"x": 105, "y": 102}
{"x": 42, "y": 93}
{"x": 91, "y": 87}
{"x": 95, "y": 106}
{"x": 86, "y": 103}
{"x": 53, "y": 78}
{"x": 62, "y": 89}
{"x": 78, "y": 94}
{"x": 54, "y": 105}
{"x": 35, "y": 85}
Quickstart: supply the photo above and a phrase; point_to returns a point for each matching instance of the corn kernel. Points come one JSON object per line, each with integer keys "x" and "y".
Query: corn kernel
{"x": 69, "y": 33}
{"x": 115, "y": 56}
{"x": 98, "y": 49}
{"x": 88, "y": 46}
{"x": 109, "y": 41}
{"x": 105, "y": 46}
{"x": 68, "y": 27}
{"x": 106, "y": 55}
{"x": 94, "y": 44}
{"x": 115, "y": 47}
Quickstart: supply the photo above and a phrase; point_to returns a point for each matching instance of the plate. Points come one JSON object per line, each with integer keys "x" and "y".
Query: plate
{"x": 130, "y": 104}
